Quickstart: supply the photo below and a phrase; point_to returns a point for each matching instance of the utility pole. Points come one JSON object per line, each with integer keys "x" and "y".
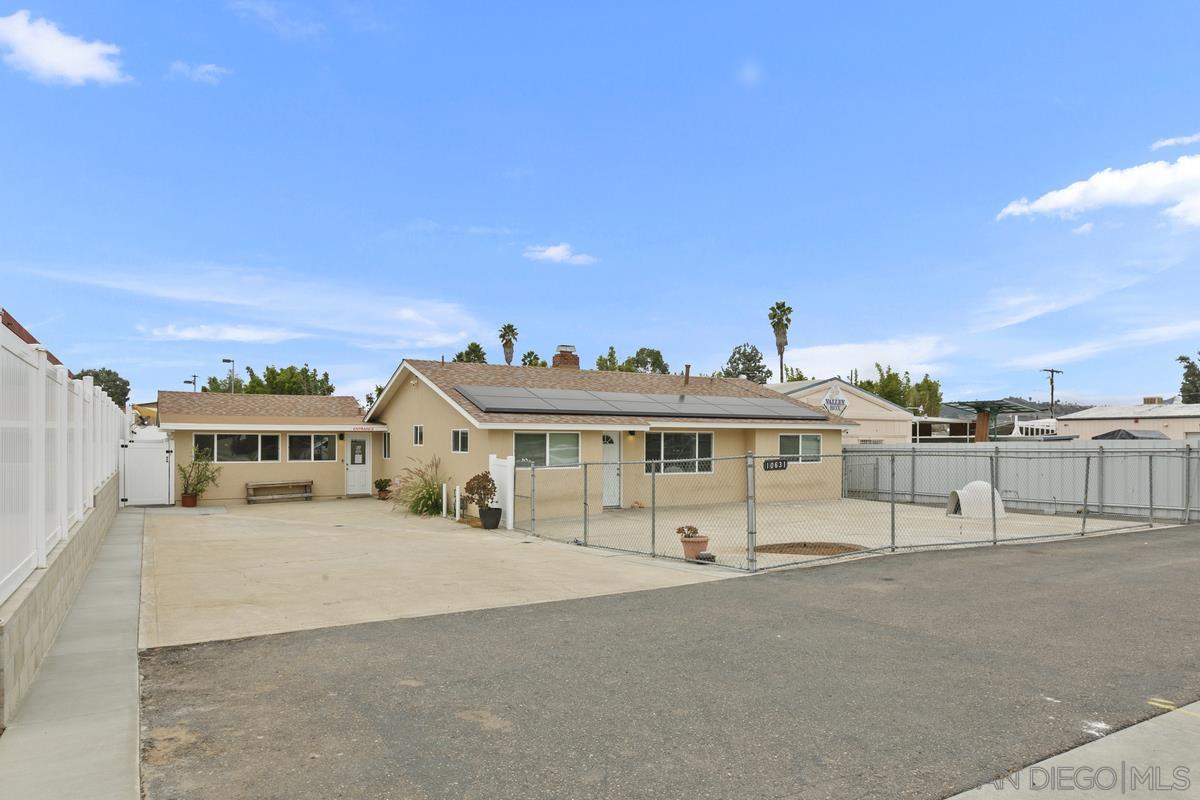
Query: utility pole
{"x": 192, "y": 382}
{"x": 232, "y": 372}
{"x": 1052, "y": 372}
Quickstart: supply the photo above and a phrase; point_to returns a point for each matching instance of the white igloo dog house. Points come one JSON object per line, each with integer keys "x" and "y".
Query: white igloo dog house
{"x": 974, "y": 501}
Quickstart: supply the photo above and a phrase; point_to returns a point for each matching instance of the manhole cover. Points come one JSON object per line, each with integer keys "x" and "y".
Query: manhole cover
{"x": 809, "y": 548}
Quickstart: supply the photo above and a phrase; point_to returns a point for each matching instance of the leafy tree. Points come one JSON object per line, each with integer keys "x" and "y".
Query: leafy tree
{"x": 646, "y": 359}
{"x": 925, "y": 394}
{"x": 780, "y": 317}
{"x": 373, "y": 396}
{"x": 216, "y": 384}
{"x": 746, "y": 359}
{"x": 112, "y": 384}
{"x": 288, "y": 380}
{"x": 508, "y": 338}
{"x": 532, "y": 359}
{"x": 1190, "y": 388}
{"x": 473, "y": 353}
{"x": 791, "y": 373}
{"x": 609, "y": 362}
{"x": 890, "y": 385}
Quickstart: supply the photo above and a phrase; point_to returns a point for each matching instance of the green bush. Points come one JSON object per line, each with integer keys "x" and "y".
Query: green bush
{"x": 418, "y": 489}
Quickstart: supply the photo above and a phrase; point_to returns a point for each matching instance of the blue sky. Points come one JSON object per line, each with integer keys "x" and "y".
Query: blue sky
{"x": 974, "y": 192}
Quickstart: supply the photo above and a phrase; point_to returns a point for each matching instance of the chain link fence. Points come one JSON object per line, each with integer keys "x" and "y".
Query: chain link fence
{"x": 759, "y": 512}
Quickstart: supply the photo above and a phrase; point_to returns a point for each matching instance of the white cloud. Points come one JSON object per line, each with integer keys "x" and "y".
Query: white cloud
{"x": 1175, "y": 141}
{"x": 200, "y": 73}
{"x": 1158, "y": 183}
{"x": 1084, "y": 229}
{"x": 917, "y": 354}
{"x": 276, "y": 17}
{"x": 750, "y": 73}
{"x": 1155, "y": 334}
{"x": 558, "y": 253}
{"x": 226, "y": 333}
{"x": 368, "y": 318}
{"x": 38, "y": 47}
{"x": 1010, "y": 307}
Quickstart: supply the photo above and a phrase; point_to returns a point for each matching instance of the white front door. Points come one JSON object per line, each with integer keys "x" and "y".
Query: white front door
{"x": 610, "y": 454}
{"x": 358, "y": 464}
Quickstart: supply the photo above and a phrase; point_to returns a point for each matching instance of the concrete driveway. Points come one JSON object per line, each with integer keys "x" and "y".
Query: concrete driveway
{"x": 271, "y": 568}
{"x": 912, "y": 676}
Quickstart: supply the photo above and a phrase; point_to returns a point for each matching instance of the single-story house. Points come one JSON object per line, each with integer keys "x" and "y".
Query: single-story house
{"x": 561, "y": 416}
{"x": 266, "y": 438}
{"x": 1175, "y": 420}
{"x": 879, "y": 421}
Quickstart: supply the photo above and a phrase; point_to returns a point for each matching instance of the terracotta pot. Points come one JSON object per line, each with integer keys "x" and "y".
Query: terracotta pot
{"x": 189, "y": 500}
{"x": 693, "y": 546}
{"x": 384, "y": 494}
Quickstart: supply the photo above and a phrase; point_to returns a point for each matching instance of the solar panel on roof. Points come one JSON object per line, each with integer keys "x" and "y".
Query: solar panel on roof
{"x": 511, "y": 399}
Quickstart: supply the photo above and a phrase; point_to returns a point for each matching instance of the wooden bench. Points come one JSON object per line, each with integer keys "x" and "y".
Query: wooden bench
{"x": 302, "y": 490}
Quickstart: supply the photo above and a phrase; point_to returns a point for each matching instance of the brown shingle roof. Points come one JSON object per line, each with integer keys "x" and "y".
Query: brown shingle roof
{"x": 219, "y": 406}
{"x": 448, "y": 375}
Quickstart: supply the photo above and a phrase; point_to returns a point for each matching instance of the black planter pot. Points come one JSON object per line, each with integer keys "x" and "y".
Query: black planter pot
{"x": 489, "y": 518}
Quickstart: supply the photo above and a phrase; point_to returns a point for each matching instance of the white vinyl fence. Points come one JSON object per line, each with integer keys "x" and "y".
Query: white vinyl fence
{"x": 59, "y": 441}
{"x": 1154, "y": 480}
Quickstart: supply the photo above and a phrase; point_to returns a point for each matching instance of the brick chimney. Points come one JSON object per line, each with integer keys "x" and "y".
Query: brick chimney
{"x": 565, "y": 357}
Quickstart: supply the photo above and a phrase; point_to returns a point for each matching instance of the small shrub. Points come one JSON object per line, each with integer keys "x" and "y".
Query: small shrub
{"x": 418, "y": 489}
{"x": 480, "y": 490}
{"x": 687, "y": 531}
{"x": 199, "y": 475}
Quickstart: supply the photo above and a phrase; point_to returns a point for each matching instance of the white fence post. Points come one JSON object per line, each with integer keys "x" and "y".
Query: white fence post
{"x": 63, "y": 459}
{"x": 37, "y": 455}
{"x": 86, "y": 398}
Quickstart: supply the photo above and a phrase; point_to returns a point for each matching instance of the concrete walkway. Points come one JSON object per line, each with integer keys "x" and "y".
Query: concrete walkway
{"x": 76, "y": 734}
{"x": 263, "y": 569}
{"x": 1156, "y": 758}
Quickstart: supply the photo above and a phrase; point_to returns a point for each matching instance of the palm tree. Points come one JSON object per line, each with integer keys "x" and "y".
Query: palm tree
{"x": 508, "y": 337}
{"x": 780, "y": 316}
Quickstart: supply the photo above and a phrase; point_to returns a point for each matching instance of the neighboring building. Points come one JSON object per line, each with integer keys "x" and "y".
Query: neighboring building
{"x": 943, "y": 429}
{"x": 258, "y": 438}
{"x": 561, "y": 416}
{"x": 1123, "y": 434}
{"x": 879, "y": 421}
{"x": 1179, "y": 421}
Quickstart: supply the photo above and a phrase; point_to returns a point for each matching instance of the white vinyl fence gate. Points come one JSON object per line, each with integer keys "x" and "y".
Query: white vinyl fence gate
{"x": 147, "y": 468}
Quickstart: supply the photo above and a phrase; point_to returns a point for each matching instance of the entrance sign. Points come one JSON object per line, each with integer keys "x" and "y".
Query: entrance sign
{"x": 834, "y": 403}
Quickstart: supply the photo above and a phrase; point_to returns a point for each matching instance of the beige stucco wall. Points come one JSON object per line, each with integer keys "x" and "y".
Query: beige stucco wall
{"x": 560, "y": 490}
{"x": 328, "y": 477}
{"x": 877, "y": 422}
{"x": 419, "y": 405}
{"x": 1180, "y": 428}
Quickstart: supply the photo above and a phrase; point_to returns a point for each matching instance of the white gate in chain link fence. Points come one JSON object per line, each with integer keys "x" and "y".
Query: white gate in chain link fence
{"x": 762, "y": 511}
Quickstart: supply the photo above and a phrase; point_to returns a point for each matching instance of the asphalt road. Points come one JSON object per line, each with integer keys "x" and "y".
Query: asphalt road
{"x": 910, "y": 676}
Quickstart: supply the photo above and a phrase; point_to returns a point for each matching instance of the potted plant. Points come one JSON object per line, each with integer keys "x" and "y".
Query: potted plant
{"x": 694, "y": 543}
{"x": 197, "y": 477}
{"x": 383, "y": 487}
{"x": 480, "y": 491}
